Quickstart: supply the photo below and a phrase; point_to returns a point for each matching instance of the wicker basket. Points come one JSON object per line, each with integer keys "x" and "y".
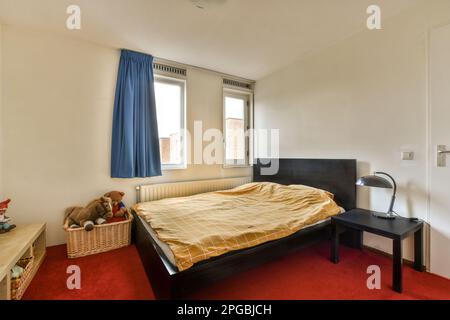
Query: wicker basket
{"x": 18, "y": 286}
{"x": 103, "y": 238}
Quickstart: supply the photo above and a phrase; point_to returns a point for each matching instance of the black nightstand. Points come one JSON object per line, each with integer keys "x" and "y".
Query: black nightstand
{"x": 397, "y": 230}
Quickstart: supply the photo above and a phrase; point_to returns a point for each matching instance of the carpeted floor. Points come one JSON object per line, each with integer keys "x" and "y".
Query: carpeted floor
{"x": 307, "y": 274}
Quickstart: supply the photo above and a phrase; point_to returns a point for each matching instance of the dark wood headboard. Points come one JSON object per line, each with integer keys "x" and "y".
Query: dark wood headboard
{"x": 335, "y": 176}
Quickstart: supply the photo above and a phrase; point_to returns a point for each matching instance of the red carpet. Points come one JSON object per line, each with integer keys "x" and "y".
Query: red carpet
{"x": 307, "y": 274}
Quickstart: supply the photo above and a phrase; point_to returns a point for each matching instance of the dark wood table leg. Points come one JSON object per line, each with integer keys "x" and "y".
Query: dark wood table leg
{"x": 397, "y": 281}
{"x": 334, "y": 243}
{"x": 418, "y": 250}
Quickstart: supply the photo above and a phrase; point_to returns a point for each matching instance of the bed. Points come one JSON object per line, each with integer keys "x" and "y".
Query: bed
{"x": 172, "y": 280}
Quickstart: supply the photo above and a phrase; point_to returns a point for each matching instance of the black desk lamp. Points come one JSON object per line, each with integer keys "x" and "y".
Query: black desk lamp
{"x": 380, "y": 182}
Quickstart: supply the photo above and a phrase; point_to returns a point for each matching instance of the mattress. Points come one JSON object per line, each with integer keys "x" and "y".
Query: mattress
{"x": 165, "y": 249}
{"x": 208, "y": 225}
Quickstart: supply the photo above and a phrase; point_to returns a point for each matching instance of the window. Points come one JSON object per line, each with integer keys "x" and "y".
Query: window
{"x": 236, "y": 123}
{"x": 170, "y": 108}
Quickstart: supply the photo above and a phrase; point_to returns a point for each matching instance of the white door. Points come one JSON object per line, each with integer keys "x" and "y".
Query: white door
{"x": 440, "y": 161}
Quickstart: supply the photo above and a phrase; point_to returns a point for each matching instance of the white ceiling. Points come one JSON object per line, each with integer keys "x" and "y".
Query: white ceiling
{"x": 247, "y": 38}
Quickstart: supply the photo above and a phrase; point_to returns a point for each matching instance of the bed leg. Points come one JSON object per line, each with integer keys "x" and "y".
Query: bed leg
{"x": 175, "y": 294}
{"x": 170, "y": 292}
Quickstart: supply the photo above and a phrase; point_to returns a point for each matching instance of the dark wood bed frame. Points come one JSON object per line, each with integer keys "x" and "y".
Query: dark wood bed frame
{"x": 336, "y": 176}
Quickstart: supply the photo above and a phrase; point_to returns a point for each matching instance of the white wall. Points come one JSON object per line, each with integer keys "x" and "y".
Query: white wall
{"x": 1, "y": 113}
{"x": 363, "y": 98}
{"x": 58, "y": 104}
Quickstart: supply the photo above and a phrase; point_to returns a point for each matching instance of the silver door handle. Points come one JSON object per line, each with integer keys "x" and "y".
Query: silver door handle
{"x": 441, "y": 156}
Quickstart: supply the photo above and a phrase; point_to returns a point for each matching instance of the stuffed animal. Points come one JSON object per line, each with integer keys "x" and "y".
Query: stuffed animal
{"x": 119, "y": 208}
{"x": 16, "y": 272}
{"x": 5, "y": 225}
{"x": 96, "y": 212}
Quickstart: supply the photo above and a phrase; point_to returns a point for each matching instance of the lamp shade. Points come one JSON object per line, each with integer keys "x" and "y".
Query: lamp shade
{"x": 374, "y": 181}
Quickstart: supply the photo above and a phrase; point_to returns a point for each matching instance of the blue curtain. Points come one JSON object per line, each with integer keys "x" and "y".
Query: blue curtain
{"x": 135, "y": 141}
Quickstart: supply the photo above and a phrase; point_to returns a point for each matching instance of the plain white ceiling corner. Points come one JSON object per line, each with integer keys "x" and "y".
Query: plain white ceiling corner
{"x": 246, "y": 38}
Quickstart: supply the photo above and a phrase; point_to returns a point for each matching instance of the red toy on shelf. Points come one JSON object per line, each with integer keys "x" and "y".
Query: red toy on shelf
{"x": 4, "y": 204}
{"x": 5, "y": 226}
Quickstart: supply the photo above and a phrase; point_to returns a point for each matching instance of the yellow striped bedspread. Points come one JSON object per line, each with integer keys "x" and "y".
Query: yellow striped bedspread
{"x": 207, "y": 225}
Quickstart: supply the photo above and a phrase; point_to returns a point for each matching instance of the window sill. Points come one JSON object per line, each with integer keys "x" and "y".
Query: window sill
{"x": 174, "y": 167}
{"x": 230, "y": 166}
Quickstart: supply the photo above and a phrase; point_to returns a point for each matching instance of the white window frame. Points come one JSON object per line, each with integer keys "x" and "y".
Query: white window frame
{"x": 183, "y": 143}
{"x": 236, "y": 93}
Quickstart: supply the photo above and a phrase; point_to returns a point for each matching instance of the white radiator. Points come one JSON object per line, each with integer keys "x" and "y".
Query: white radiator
{"x": 154, "y": 192}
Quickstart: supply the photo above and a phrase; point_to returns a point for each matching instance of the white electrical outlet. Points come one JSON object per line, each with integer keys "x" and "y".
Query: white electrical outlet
{"x": 407, "y": 155}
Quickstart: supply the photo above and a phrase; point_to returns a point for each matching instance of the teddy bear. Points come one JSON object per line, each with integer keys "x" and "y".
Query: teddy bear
{"x": 119, "y": 208}
{"x": 96, "y": 212}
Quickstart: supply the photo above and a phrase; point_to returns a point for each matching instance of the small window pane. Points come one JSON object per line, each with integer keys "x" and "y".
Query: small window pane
{"x": 169, "y": 106}
{"x": 234, "y": 108}
{"x": 235, "y": 126}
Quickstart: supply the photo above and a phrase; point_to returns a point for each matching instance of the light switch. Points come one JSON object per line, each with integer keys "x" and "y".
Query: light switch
{"x": 407, "y": 155}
